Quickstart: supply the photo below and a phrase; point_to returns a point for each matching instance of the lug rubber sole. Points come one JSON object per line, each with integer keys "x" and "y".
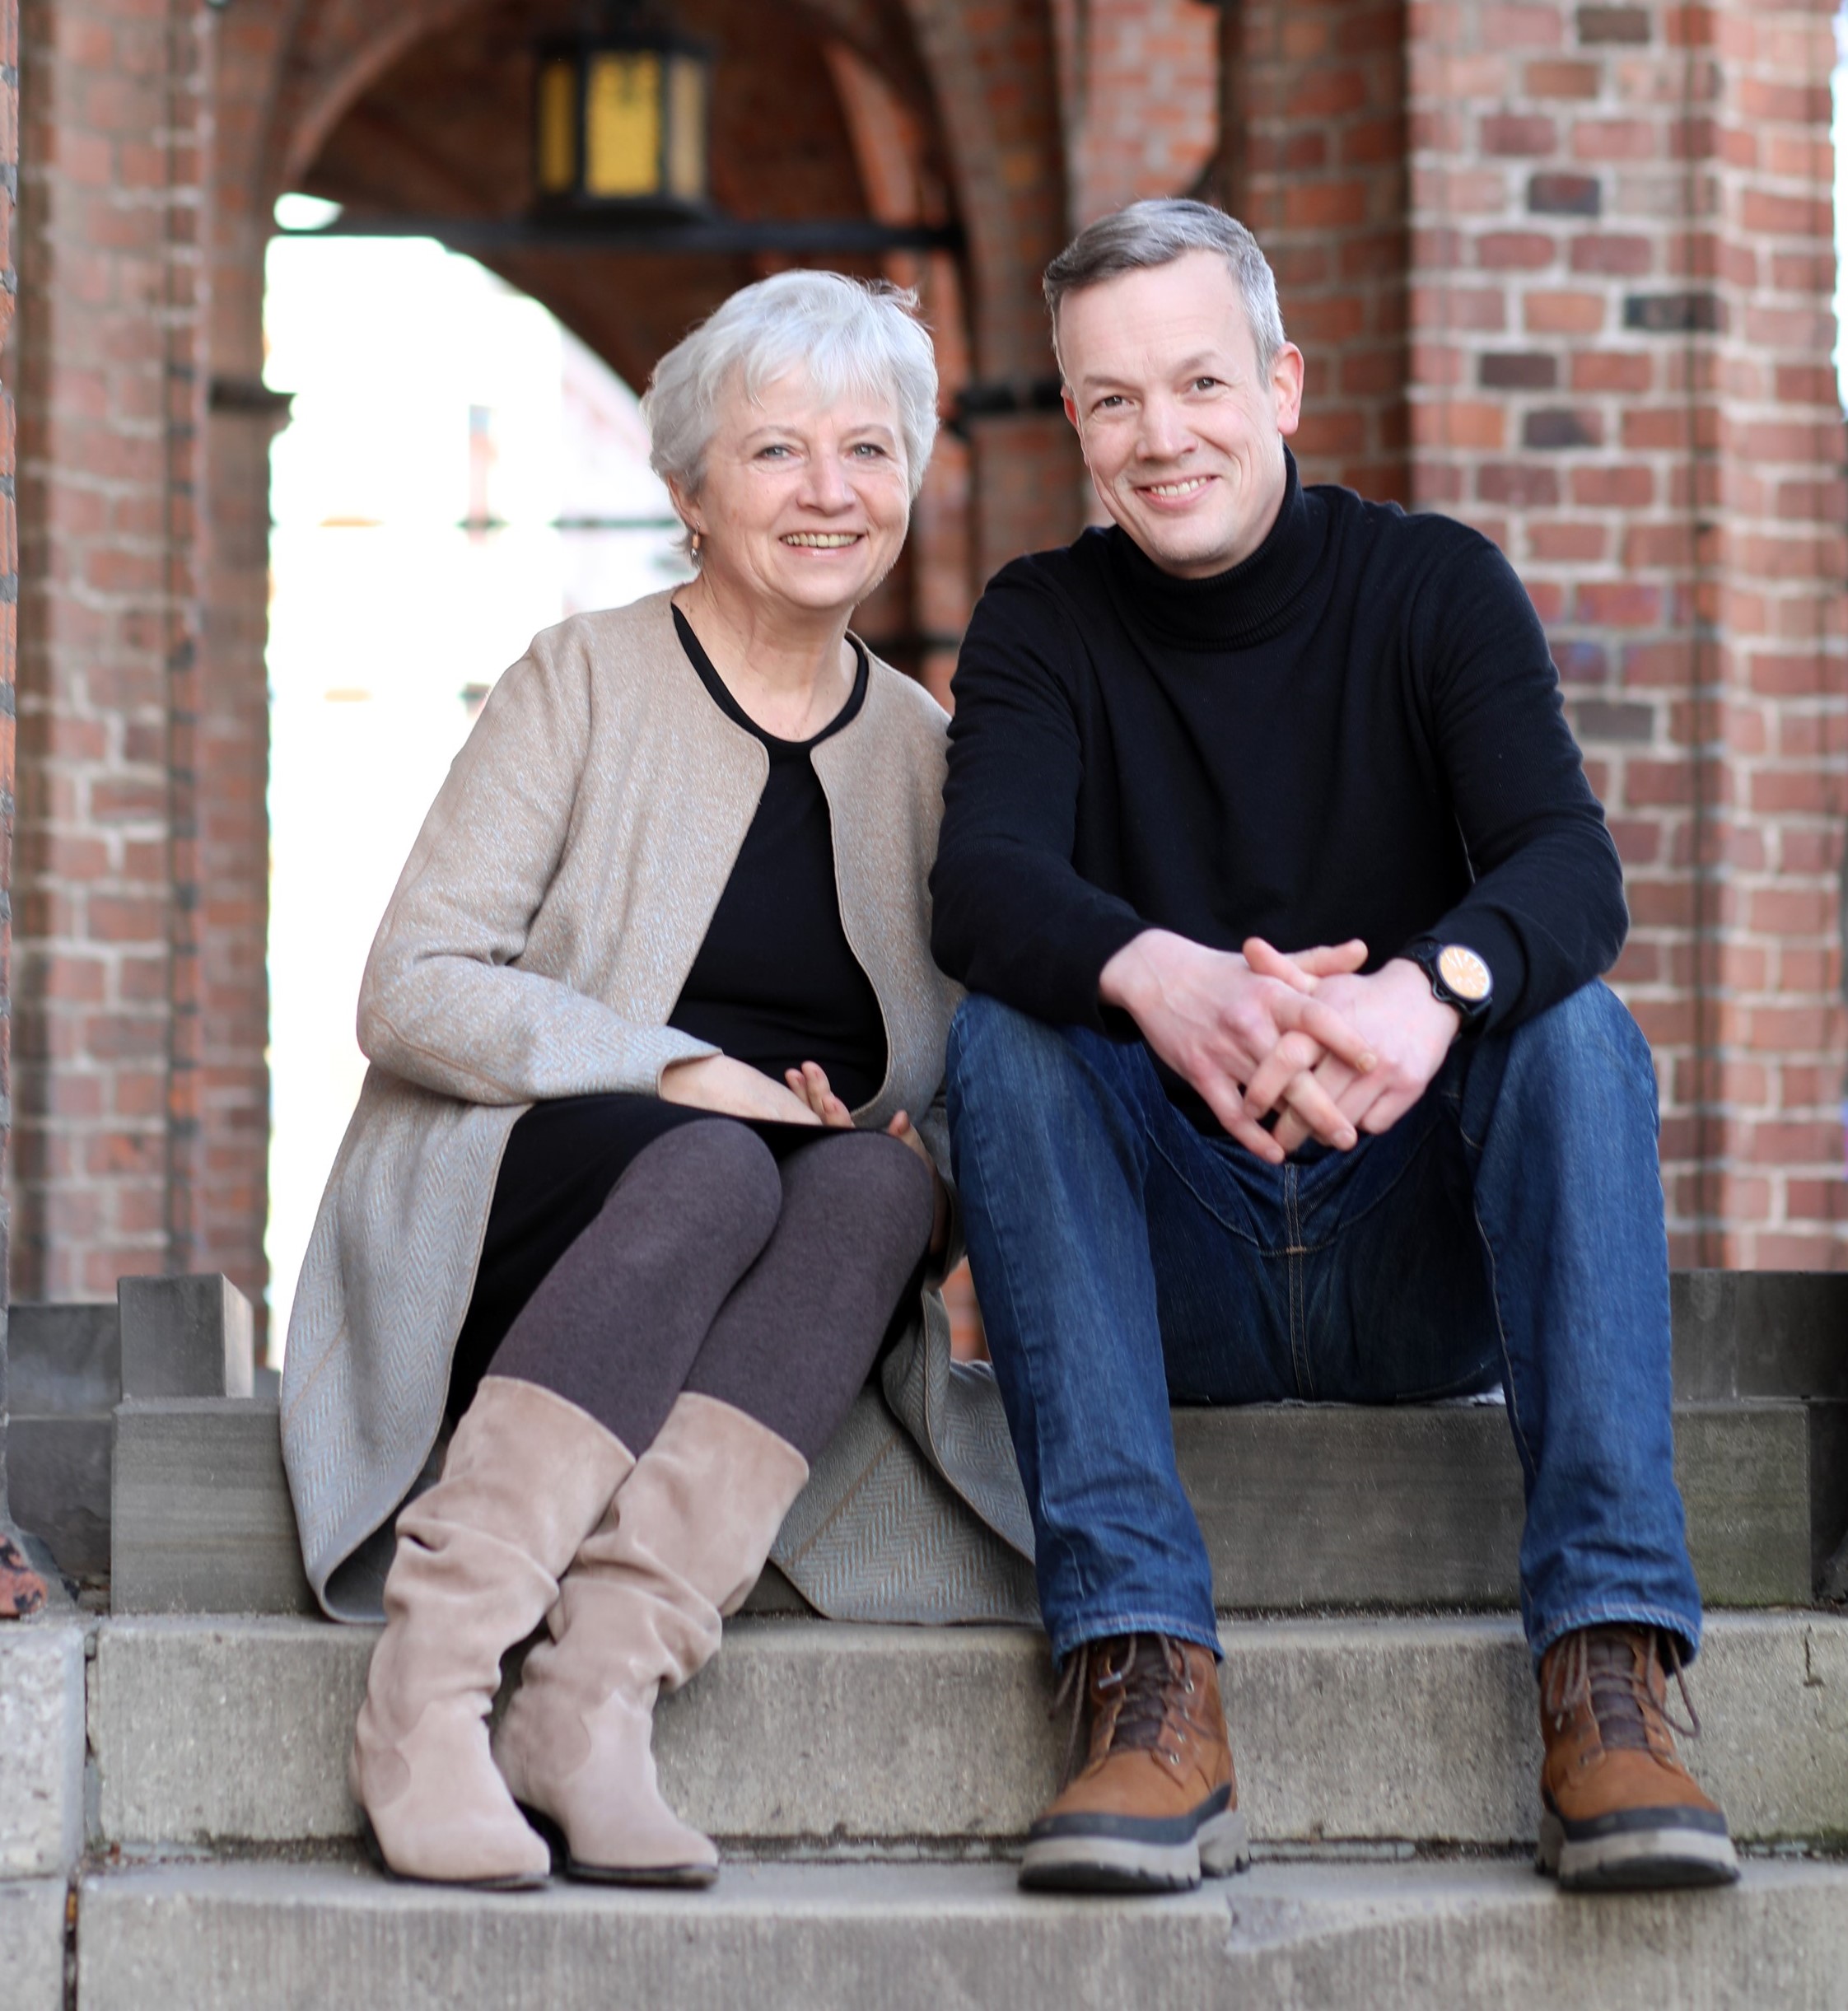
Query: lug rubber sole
{"x": 1645, "y": 1857}
{"x": 1082, "y": 1863}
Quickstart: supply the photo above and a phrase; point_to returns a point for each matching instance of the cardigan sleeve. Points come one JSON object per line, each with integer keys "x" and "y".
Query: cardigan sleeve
{"x": 443, "y": 1003}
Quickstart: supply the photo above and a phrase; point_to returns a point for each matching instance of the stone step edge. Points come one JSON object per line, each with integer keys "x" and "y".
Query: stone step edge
{"x": 1394, "y": 1938}
{"x": 1380, "y": 1730}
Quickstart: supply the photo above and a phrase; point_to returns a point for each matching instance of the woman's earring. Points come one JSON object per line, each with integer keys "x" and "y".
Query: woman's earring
{"x": 695, "y": 540}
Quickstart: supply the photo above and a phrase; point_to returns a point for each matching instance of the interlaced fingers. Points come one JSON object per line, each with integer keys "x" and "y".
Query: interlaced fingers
{"x": 1150, "y": 1671}
{"x": 1599, "y": 1667}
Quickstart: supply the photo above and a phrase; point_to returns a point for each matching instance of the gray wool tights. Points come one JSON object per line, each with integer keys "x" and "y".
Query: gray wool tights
{"x": 714, "y": 1267}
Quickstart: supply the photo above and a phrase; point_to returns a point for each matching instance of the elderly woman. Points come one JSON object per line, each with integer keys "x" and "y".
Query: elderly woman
{"x": 634, "y": 1191}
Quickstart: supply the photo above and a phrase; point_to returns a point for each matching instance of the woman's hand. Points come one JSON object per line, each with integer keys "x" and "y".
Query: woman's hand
{"x": 906, "y": 1132}
{"x": 810, "y": 1083}
{"x": 733, "y": 1088}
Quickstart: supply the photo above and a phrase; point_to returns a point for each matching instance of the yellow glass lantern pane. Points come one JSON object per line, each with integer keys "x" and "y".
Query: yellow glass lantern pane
{"x": 622, "y": 125}
{"x": 558, "y": 126}
{"x": 686, "y": 129}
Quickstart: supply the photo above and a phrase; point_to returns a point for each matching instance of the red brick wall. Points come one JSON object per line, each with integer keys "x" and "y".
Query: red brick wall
{"x": 1621, "y": 272}
{"x": 1321, "y": 84}
{"x": 1607, "y": 233}
{"x": 9, "y": 605}
{"x": 1139, "y": 84}
{"x": 111, "y": 391}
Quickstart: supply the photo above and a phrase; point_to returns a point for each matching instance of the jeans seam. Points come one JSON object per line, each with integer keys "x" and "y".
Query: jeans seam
{"x": 1043, "y": 1520}
{"x": 1297, "y": 1239}
{"x": 1501, "y": 1337}
{"x": 1205, "y": 1201}
{"x": 1298, "y": 1336}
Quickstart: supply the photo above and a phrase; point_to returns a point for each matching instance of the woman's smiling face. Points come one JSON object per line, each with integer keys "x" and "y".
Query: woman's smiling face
{"x": 804, "y": 501}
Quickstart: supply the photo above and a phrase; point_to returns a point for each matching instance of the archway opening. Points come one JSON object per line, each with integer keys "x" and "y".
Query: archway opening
{"x": 460, "y": 472}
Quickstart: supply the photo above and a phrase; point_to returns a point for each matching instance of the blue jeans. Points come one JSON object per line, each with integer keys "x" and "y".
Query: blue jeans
{"x": 1508, "y": 1229}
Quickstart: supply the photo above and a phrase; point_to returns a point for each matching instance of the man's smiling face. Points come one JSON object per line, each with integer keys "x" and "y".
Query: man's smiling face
{"x": 1183, "y": 435}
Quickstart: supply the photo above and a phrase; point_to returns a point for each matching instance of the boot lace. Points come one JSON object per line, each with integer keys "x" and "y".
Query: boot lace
{"x": 1596, "y": 1666}
{"x": 1147, "y": 1669}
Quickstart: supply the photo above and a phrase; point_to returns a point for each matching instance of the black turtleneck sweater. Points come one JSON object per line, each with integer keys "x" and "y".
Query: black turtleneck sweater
{"x": 1357, "y": 731}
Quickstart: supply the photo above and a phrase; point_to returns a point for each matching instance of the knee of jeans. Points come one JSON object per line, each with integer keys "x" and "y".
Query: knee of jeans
{"x": 993, "y": 1048}
{"x": 1589, "y": 1030}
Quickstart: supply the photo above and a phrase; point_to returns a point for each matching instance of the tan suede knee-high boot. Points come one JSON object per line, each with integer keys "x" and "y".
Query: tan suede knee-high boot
{"x": 639, "y": 1612}
{"x": 478, "y": 1557}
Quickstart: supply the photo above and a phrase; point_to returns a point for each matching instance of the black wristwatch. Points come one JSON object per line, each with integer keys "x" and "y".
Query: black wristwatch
{"x": 1459, "y": 978}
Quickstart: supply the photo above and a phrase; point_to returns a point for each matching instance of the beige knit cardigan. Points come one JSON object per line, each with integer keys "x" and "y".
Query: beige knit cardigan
{"x": 535, "y": 944}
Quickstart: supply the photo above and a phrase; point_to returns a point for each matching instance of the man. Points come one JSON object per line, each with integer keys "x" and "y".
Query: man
{"x": 1414, "y": 1159}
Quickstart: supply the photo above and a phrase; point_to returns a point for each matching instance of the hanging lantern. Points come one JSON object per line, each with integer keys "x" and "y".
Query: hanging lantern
{"x": 621, "y": 116}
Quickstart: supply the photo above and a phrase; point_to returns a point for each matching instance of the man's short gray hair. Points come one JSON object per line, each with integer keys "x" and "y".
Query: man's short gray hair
{"x": 844, "y": 334}
{"x": 1157, "y": 232}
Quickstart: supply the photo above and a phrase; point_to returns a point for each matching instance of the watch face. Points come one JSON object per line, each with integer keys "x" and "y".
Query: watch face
{"x": 1464, "y": 972}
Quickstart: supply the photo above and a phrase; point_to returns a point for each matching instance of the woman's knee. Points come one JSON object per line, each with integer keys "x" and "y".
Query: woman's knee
{"x": 865, "y": 1179}
{"x": 714, "y": 1176}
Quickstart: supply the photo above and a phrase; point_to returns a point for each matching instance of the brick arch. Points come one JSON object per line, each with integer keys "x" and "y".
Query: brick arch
{"x": 140, "y": 1009}
{"x": 993, "y": 72}
{"x": 325, "y": 96}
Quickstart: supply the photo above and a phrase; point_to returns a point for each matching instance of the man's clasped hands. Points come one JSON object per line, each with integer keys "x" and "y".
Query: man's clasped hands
{"x": 1283, "y": 1048}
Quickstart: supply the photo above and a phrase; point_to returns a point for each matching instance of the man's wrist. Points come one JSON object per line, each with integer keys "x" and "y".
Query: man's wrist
{"x": 1459, "y": 978}
{"x": 1417, "y": 981}
{"x": 1126, "y": 978}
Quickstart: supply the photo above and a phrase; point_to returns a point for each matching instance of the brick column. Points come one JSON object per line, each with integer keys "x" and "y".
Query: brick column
{"x": 109, "y": 345}
{"x": 1771, "y": 559}
{"x": 21, "y": 1589}
{"x": 991, "y": 67}
{"x": 1139, "y": 80}
{"x": 232, "y": 1201}
{"x": 1621, "y": 280}
{"x": 1320, "y": 171}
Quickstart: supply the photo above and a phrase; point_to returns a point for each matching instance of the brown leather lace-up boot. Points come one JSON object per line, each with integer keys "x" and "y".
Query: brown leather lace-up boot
{"x": 1157, "y": 1801}
{"x": 1620, "y": 1811}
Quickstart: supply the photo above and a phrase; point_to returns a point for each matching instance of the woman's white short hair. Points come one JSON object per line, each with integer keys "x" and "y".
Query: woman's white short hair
{"x": 846, "y": 334}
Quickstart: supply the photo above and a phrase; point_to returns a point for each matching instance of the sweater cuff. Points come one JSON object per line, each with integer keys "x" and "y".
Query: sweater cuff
{"x": 1093, "y": 946}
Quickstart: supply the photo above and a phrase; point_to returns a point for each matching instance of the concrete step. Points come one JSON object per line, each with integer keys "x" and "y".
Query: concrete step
{"x": 1400, "y": 1508}
{"x": 32, "y": 1935}
{"x": 1390, "y": 1937}
{"x": 1303, "y": 1507}
{"x": 1421, "y": 1505}
{"x": 803, "y": 1732}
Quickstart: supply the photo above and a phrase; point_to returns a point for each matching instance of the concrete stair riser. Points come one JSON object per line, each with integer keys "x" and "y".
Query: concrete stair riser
{"x": 203, "y": 1518}
{"x": 1306, "y": 1507}
{"x": 918, "y": 1937}
{"x": 1412, "y": 1506}
{"x": 1759, "y": 1333}
{"x": 41, "y": 1748}
{"x": 32, "y": 1944}
{"x": 1425, "y": 1508}
{"x": 236, "y": 1732}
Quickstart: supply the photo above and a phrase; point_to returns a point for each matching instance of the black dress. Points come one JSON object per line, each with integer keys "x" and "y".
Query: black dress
{"x": 775, "y": 984}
